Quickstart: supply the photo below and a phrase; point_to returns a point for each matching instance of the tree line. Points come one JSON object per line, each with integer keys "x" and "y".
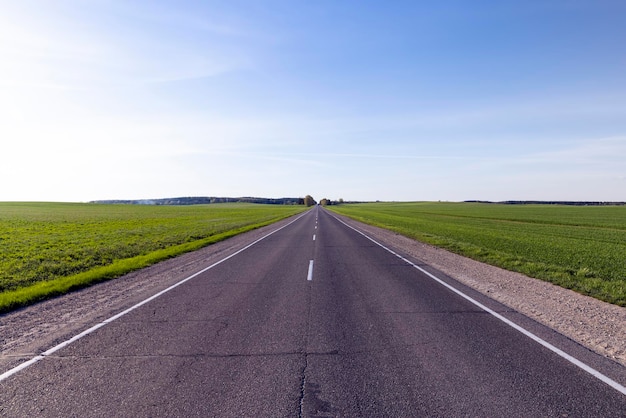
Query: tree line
{"x": 174, "y": 201}
{"x": 308, "y": 201}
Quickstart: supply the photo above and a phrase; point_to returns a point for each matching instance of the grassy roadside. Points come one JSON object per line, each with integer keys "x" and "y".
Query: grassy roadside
{"x": 49, "y": 249}
{"x": 579, "y": 248}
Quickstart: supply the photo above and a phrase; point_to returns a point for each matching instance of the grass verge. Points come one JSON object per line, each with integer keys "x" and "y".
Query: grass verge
{"x": 19, "y": 293}
{"x": 579, "y": 248}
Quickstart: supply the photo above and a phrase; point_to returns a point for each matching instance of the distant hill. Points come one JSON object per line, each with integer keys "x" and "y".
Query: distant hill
{"x": 206, "y": 201}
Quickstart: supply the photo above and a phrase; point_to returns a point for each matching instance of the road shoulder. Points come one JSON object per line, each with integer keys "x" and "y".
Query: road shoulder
{"x": 29, "y": 331}
{"x": 597, "y": 325}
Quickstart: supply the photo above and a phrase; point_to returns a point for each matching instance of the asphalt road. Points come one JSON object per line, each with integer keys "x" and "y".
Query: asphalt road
{"x": 315, "y": 320}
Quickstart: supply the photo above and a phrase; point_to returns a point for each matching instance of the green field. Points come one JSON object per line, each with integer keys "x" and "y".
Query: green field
{"x": 578, "y": 247}
{"x": 50, "y": 248}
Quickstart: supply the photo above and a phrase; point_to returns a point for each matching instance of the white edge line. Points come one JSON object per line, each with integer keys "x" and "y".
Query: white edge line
{"x": 615, "y": 385}
{"x": 309, "y": 275}
{"x": 88, "y": 331}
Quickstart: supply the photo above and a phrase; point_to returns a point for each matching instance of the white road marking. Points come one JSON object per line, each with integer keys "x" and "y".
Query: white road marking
{"x": 615, "y": 385}
{"x": 57, "y": 347}
{"x": 309, "y": 275}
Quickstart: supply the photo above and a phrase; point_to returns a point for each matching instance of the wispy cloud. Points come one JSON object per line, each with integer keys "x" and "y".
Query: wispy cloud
{"x": 373, "y": 156}
{"x": 52, "y": 50}
{"x": 605, "y": 151}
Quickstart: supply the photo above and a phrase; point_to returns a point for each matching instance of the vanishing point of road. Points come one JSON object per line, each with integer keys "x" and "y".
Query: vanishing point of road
{"x": 313, "y": 320}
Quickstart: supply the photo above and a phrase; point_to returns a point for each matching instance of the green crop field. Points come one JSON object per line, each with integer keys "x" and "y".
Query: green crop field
{"x": 578, "y": 247}
{"x": 48, "y": 249}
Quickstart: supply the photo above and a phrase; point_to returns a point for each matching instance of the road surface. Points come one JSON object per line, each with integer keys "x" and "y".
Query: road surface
{"x": 314, "y": 320}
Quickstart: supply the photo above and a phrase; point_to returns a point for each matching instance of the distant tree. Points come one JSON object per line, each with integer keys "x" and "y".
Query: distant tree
{"x": 324, "y": 202}
{"x": 309, "y": 201}
{"x": 340, "y": 200}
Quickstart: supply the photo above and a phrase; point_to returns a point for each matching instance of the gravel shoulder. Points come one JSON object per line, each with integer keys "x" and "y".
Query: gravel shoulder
{"x": 30, "y": 331}
{"x": 596, "y": 325}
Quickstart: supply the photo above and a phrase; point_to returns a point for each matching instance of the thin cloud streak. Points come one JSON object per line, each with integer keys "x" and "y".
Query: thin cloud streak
{"x": 371, "y": 156}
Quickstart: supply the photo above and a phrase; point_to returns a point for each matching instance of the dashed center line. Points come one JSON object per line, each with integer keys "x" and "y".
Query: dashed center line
{"x": 309, "y": 276}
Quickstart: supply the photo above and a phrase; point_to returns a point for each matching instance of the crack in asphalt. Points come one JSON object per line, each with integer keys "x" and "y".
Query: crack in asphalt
{"x": 305, "y": 353}
{"x": 201, "y": 355}
{"x": 303, "y": 385}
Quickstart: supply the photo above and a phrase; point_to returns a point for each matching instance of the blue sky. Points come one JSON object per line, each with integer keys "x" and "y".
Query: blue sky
{"x": 360, "y": 100}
